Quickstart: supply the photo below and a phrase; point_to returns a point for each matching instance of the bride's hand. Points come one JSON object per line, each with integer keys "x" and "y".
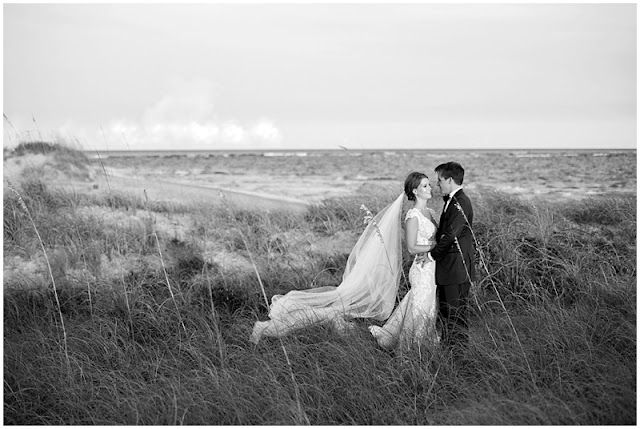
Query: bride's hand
{"x": 421, "y": 259}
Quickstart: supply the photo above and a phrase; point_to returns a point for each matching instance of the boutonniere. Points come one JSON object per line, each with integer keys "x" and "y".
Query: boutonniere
{"x": 459, "y": 207}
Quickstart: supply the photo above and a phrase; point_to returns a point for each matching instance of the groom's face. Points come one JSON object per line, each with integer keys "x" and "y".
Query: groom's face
{"x": 445, "y": 185}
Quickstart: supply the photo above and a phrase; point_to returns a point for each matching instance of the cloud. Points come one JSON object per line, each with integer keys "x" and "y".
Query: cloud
{"x": 185, "y": 117}
{"x": 267, "y": 131}
{"x": 234, "y": 133}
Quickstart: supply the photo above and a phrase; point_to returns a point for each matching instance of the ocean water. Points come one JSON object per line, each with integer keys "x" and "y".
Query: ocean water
{"x": 529, "y": 173}
{"x": 518, "y": 153}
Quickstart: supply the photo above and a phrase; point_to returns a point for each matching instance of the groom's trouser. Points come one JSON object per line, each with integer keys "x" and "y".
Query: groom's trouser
{"x": 454, "y": 303}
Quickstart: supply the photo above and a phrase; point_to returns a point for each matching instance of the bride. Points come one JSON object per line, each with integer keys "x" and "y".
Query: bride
{"x": 414, "y": 321}
{"x": 370, "y": 281}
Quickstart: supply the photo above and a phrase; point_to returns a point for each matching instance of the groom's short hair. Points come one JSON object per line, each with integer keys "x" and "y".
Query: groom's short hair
{"x": 451, "y": 170}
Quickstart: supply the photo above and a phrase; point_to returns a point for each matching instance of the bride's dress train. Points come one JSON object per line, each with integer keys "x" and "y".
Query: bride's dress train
{"x": 368, "y": 289}
{"x": 414, "y": 320}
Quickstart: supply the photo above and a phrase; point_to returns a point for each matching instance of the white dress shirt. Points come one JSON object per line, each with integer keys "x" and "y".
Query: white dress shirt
{"x": 446, "y": 206}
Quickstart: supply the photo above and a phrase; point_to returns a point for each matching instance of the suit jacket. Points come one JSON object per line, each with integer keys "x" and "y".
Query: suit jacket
{"x": 453, "y": 265}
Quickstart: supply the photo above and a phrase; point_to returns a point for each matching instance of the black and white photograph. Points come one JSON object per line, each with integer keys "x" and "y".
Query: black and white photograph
{"x": 319, "y": 213}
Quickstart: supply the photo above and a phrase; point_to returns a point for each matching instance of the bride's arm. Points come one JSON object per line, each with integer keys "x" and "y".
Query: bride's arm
{"x": 411, "y": 236}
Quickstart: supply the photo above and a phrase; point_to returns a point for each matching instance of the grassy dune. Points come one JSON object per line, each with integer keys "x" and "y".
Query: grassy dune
{"x": 120, "y": 317}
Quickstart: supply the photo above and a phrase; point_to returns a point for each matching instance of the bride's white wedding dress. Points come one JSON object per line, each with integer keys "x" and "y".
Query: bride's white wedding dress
{"x": 368, "y": 289}
{"x": 414, "y": 320}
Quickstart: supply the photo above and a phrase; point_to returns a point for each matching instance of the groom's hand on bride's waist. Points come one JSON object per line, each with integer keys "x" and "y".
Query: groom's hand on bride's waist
{"x": 423, "y": 258}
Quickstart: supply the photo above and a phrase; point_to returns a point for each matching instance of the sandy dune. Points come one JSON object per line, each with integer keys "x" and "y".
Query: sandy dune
{"x": 96, "y": 181}
{"x": 168, "y": 190}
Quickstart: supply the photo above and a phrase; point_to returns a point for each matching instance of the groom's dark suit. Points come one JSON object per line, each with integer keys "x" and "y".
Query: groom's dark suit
{"x": 454, "y": 254}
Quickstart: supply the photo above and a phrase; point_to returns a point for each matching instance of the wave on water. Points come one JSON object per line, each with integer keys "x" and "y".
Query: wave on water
{"x": 272, "y": 154}
{"x": 535, "y": 153}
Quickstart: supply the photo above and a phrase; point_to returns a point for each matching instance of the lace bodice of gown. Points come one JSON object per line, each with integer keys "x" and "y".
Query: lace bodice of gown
{"x": 426, "y": 228}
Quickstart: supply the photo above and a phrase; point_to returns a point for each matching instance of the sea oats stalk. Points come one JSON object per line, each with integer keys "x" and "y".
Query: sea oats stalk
{"x": 164, "y": 268}
{"x": 214, "y": 316}
{"x": 302, "y": 417}
{"x": 104, "y": 170}
{"x": 11, "y": 125}
{"x": 100, "y": 159}
{"x": 36, "y": 124}
{"x": 84, "y": 259}
{"x": 86, "y": 265}
{"x": 369, "y": 219}
{"x": 504, "y": 308}
{"x": 46, "y": 258}
{"x": 126, "y": 300}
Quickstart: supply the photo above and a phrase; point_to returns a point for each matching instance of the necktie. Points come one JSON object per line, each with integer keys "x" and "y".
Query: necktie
{"x": 445, "y": 198}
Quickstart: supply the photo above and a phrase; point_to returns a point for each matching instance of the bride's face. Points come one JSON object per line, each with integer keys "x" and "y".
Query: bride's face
{"x": 424, "y": 189}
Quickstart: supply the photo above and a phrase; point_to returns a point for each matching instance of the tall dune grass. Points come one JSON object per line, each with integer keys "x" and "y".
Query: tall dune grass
{"x": 166, "y": 340}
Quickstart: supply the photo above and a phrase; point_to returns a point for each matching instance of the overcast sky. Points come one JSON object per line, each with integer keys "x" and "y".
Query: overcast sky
{"x": 280, "y": 76}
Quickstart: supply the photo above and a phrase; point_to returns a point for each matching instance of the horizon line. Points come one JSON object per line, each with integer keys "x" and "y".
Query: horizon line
{"x": 360, "y": 150}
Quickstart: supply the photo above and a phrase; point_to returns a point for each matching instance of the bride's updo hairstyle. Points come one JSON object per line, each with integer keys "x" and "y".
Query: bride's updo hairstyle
{"x": 412, "y": 182}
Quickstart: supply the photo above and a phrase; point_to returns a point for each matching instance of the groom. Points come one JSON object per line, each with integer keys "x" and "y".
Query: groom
{"x": 454, "y": 254}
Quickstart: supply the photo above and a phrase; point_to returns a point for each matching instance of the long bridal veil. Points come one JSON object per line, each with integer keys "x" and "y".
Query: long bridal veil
{"x": 368, "y": 289}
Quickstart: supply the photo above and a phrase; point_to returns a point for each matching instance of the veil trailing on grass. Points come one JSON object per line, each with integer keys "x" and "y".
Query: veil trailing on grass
{"x": 368, "y": 289}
